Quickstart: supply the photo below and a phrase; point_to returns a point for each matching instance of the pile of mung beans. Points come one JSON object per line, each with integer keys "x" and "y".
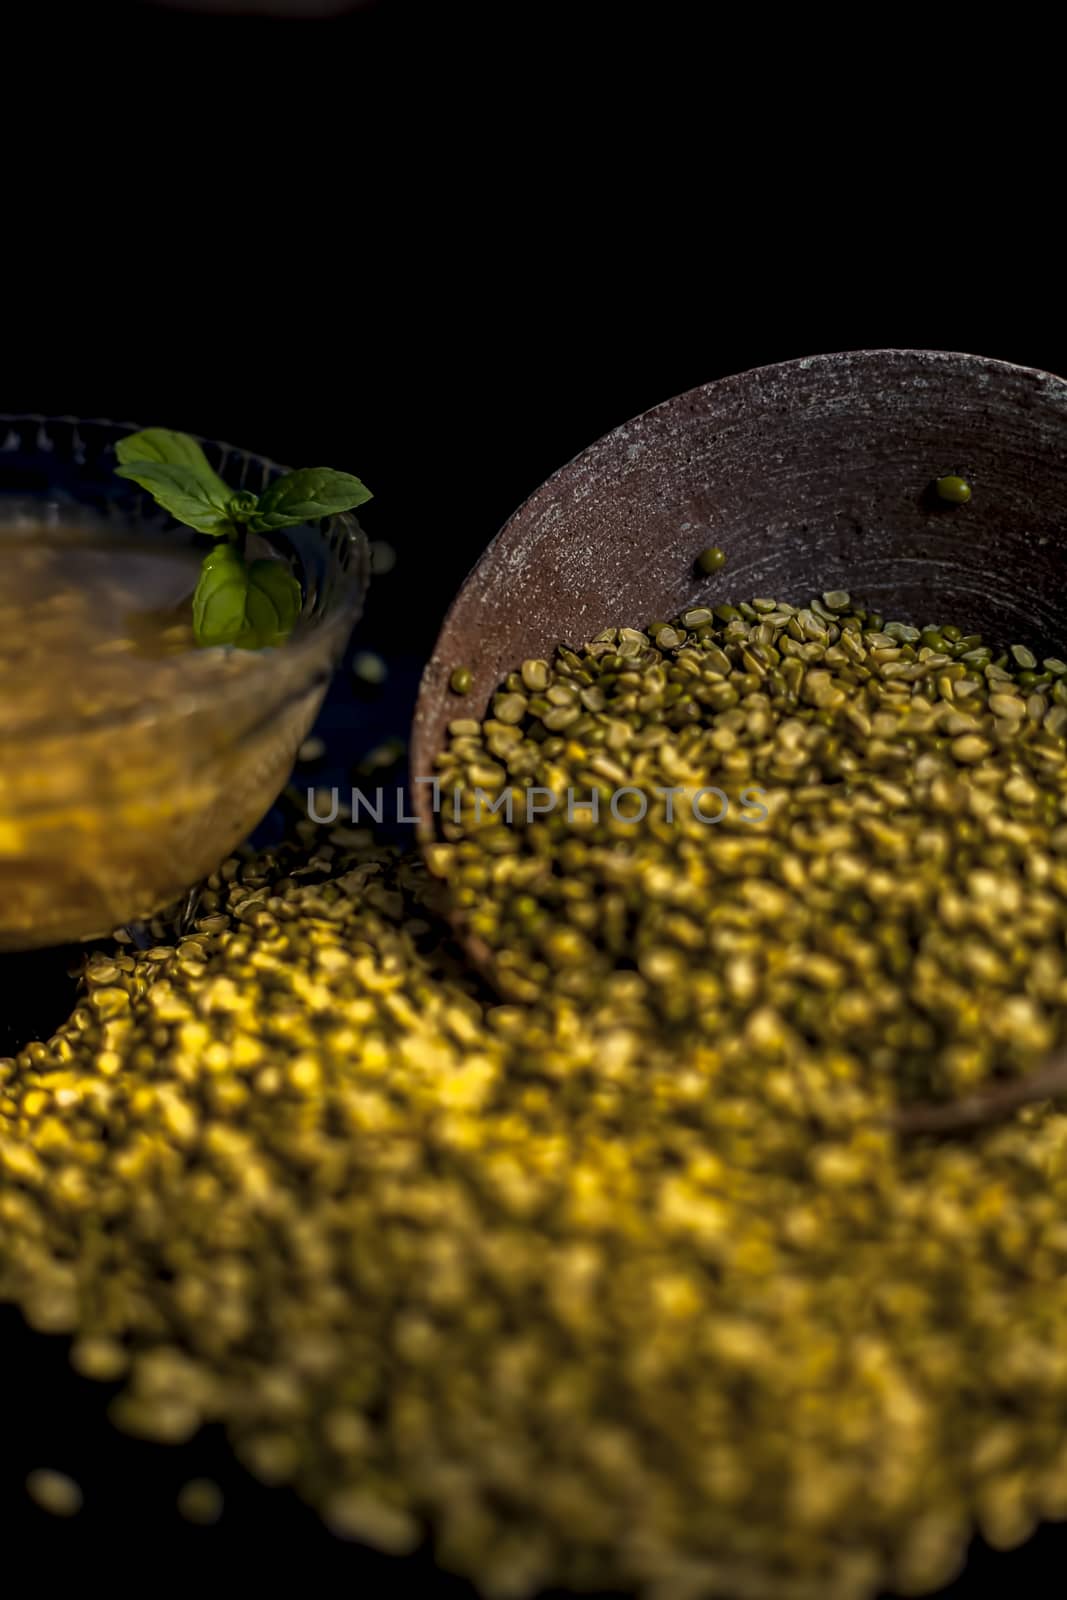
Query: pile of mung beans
{"x": 613, "y": 1274}
{"x": 778, "y": 831}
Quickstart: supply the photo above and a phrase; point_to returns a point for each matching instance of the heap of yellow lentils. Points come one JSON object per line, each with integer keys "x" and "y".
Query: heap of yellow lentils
{"x": 588, "y": 1296}
{"x": 589, "y": 1312}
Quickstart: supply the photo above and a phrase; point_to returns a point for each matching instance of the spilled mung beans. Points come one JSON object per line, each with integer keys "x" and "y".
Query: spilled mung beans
{"x": 616, "y": 1278}
{"x": 200, "y": 1501}
{"x": 54, "y": 1492}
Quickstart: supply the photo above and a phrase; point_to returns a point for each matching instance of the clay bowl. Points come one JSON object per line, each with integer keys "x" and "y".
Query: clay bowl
{"x": 812, "y": 475}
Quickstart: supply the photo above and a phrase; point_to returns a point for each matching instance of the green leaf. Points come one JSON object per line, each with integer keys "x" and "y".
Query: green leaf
{"x": 307, "y": 495}
{"x": 171, "y": 449}
{"x": 243, "y": 506}
{"x": 247, "y": 605}
{"x": 185, "y": 493}
{"x": 274, "y": 600}
{"x": 220, "y": 553}
{"x": 219, "y": 601}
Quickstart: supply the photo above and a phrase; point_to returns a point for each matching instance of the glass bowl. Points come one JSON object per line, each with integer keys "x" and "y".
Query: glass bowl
{"x": 105, "y": 820}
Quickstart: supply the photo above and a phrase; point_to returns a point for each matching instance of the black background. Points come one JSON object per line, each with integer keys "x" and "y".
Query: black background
{"x": 445, "y": 247}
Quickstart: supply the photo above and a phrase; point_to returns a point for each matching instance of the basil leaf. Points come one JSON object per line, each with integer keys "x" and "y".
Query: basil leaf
{"x": 219, "y": 600}
{"x": 172, "y": 449}
{"x": 274, "y": 600}
{"x": 221, "y": 552}
{"x": 243, "y": 506}
{"x": 185, "y": 492}
{"x": 307, "y": 495}
{"x": 247, "y": 605}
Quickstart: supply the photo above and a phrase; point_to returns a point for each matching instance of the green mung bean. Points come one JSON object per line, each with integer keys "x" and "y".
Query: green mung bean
{"x": 953, "y": 488}
{"x": 369, "y": 667}
{"x": 382, "y": 557}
